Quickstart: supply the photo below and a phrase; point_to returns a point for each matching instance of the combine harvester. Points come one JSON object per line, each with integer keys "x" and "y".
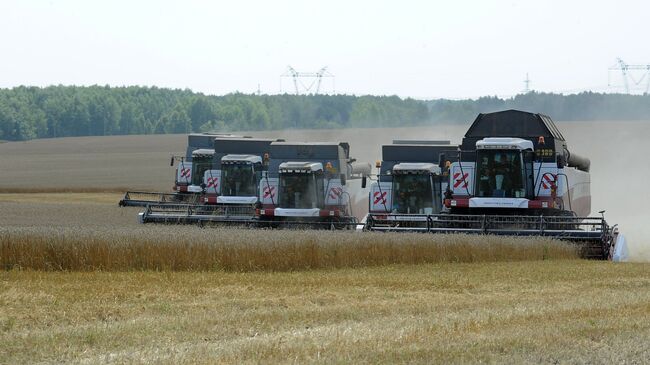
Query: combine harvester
{"x": 301, "y": 184}
{"x": 227, "y": 178}
{"x": 308, "y": 185}
{"x": 513, "y": 175}
{"x": 185, "y": 192}
{"x": 410, "y": 184}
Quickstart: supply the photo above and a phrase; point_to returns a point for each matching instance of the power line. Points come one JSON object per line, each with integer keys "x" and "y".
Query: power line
{"x": 628, "y": 73}
{"x": 307, "y": 82}
{"x": 527, "y": 84}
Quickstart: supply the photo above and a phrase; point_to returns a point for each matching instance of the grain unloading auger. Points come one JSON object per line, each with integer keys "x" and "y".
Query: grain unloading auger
{"x": 513, "y": 175}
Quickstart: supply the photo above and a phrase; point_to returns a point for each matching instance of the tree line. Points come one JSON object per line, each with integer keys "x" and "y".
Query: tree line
{"x": 586, "y": 106}
{"x": 62, "y": 111}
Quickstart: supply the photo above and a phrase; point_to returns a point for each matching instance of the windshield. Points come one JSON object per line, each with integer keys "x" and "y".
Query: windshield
{"x": 199, "y": 166}
{"x": 412, "y": 194}
{"x": 500, "y": 174}
{"x": 301, "y": 191}
{"x": 238, "y": 179}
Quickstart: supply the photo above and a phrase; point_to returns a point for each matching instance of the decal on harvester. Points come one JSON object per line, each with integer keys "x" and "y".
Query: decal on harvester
{"x": 379, "y": 197}
{"x": 547, "y": 181}
{"x": 458, "y": 180}
{"x": 336, "y": 192}
{"x": 269, "y": 192}
{"x": 211, "y": 179}
{"x": 213, "y": 182}
{"x": 186, "y": 172}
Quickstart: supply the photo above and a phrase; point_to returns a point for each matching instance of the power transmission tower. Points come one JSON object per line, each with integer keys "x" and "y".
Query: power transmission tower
{"x": 628, "y": 76}
{"x": 312, "y": 80}
{"x": 527, "y": 84}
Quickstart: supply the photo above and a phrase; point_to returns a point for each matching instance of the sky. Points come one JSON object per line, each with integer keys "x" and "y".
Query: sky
{"x": 420, "y": 49}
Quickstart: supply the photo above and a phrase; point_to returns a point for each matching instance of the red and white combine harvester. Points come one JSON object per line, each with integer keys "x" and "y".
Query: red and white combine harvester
{"x": 513, "y": 175}
{"x": 276, "y": 184}
{"x": 226, "y": 179}
{"x": 187, "y": 182}
{"x": 308, "y": 185}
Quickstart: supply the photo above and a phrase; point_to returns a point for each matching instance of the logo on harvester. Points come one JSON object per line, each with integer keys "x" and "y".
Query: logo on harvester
{"x": 269, "y": 192}
{"x": 186, "y": 172}
{"x": 379, "y": 197}
{"x": 213, "y": 182}
{"x": 547, "y": 181}
{"x": 458, "y": 180}
{"x": 336, "y": 192}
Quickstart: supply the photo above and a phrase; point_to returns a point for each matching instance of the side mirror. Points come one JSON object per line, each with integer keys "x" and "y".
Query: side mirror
{"x": 441, "y": 161}
{"x": 364, "y": 180}
{"x": 171, "y": 163}
{"x": 342, "y": 179}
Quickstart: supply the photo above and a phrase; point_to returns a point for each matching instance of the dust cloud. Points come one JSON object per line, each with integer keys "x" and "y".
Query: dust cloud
{"x": 619, "y": 166}
{"x": 619, "y": 175}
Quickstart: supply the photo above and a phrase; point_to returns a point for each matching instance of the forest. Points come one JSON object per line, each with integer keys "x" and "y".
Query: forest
{"x": 63, "y": 111}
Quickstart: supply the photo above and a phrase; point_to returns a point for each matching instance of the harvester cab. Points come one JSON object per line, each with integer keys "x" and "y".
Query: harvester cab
{"x": 239, "y": 167}
{"x": 309, "y": 183}
{"x": 518, "y": 163}
{"x": 410, "y": 184}
{"x": 202, "y": 161}
{"x": 504, "y": 169}
{"x": 302, "y": 186}
{"x": 416, "y": 188}
{"x": 240, "y": 178}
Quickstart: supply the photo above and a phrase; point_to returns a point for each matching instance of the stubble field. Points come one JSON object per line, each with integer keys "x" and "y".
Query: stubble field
{"x": 295, "y": 296}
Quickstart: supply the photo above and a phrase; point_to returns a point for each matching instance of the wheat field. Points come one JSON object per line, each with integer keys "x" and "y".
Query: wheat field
{"x": 566, "y": 311}
{"x": 242, "y": 250}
